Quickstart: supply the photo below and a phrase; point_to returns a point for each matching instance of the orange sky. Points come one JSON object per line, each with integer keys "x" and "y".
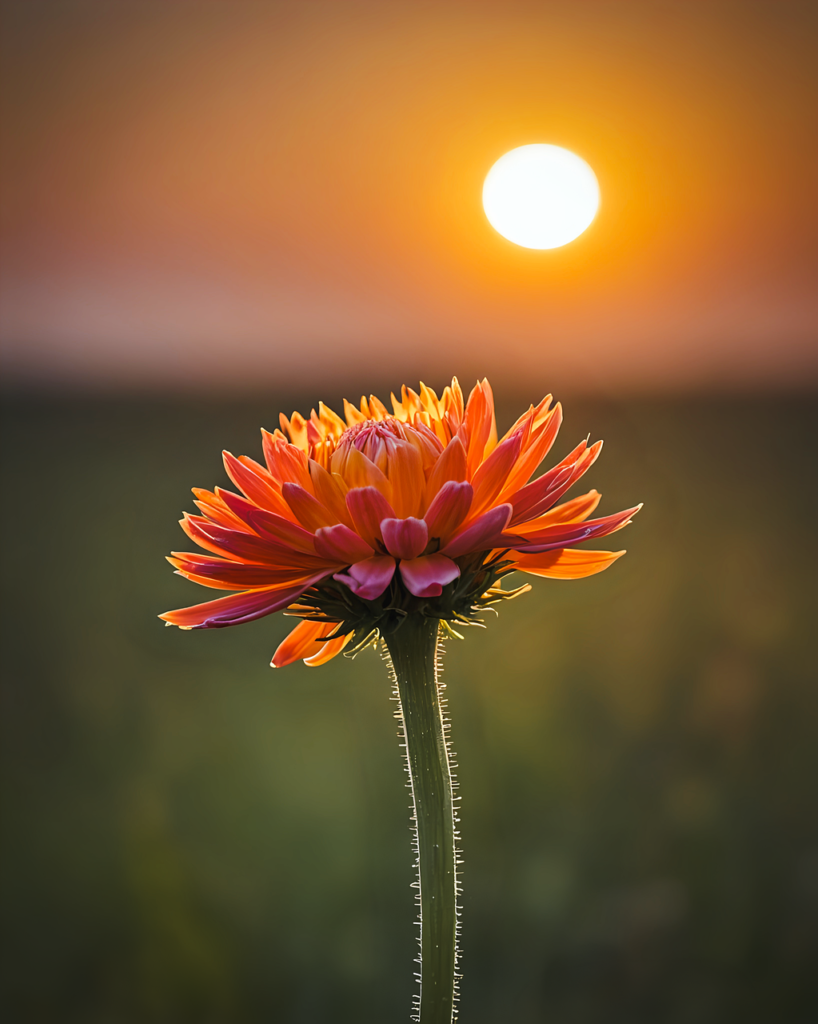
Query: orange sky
{"x": 214, "y": 193}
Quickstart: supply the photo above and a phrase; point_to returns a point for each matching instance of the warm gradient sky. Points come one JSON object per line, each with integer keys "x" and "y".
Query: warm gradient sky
{"x": 235, "y": 193}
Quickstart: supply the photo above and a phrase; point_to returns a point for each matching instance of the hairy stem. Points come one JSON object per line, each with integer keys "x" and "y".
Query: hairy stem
{"x": 414, "y": 649}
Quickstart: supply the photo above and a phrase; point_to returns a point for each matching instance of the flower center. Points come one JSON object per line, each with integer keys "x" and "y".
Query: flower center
{"x": 378, "y": 440}
{"x": 371, "y": 434}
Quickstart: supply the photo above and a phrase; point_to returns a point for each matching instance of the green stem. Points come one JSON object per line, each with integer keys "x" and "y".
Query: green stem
{"x": 413, "y": 650}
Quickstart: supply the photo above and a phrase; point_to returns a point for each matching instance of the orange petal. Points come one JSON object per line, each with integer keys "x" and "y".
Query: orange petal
{"x": 221, "y": 574}
{"x": 407, "y": 480}
{"x": 452, "y": 465}
{"x": 330, "y": 493}
{"x": 308, "y": 510}
{"x": 492, "y": 474}
{"x": 295, "y": 429}
{"x": 286, "y": 462}
{"x": 479, "y": 426}
{"x": 575, "y": 511}
{"x": 449, "y": 509}
{"x": 301, "y": 641}
{"x": 237, "y": 608}
{"x": 566, "y": 563}
{"x": 534, "y": 450}
{"x": 368, "y": 509}
{"x": 256, "y": 483}
{"x": 359, "y": 471}
{"x": 328, "y": 651}
{"x": 214, "y": 508}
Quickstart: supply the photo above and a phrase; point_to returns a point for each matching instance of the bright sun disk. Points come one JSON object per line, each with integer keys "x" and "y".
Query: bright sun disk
{"x": 540, "y": 196}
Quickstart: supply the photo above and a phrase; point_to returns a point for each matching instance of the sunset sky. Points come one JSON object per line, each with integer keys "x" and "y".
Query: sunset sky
{"x": 202, "y": 194}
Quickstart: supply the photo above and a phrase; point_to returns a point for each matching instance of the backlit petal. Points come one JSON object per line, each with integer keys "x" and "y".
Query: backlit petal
{"x": 449, "y": 509}
{"x": 222, "y": 574}
{"x": 404, "y": 538}
{"x": 566, "y": 563}
{"x": 358, "y": 471}
{"x": 479, "y": 430}
{"x": 243, "y": 547}
{"x": 534, "y": 451}
{"x": 491, "y": 475}
{"x": 328, "y": 651}
{"x": 301, "y": 642}
{"x": 575, "y": 511}
{"x": 237, "y": 608}
{"x": 428, "y": 575}
{"x": 563, "y": 534}
{"x": 330, "y": 492}
{"x": 541, "y": 494}
{"x": 256, "y": 483}
{"x": 308, "y": 510}
{"x": 482, "y": 534}
{"x": 370, "y": 578}
{"x": 368, "y": 508}
{"x": 286, "y": 463}
{"x": 452, "y": 465}
{"x": 407, "y": 479}
{"x": 341, "y": 544}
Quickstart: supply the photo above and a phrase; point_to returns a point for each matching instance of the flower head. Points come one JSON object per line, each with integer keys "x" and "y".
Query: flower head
{"x": 354, "y": 523}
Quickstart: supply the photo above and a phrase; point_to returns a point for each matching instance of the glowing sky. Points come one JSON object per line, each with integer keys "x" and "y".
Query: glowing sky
{"x": 257, "y": 194}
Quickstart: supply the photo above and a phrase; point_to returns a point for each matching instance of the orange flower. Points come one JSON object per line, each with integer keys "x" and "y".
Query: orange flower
{"x": 354, "y": 523}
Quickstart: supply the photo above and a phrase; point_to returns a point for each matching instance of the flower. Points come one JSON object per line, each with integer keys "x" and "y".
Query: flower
{"x": 354, "y": 523}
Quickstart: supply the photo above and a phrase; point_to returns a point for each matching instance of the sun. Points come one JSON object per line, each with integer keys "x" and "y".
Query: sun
{"x": 540, "y": 196}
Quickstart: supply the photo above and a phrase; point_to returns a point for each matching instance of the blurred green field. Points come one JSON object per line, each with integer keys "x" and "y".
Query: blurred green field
{"x": 190, "y": 836}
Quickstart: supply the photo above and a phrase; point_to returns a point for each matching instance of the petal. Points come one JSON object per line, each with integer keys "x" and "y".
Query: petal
{"x": 405, "y": 538}
{"x": 358, "y": 471}
{"x": 482, "y": 534}
{"x": 450, "y": 466}
{"x": 244, "y": 547}
{"x": 449, "y": 509}
{"x": 407, "y": 479}
{"x": 534, "y": 451}
{"x": 575, "y": 511}
{"x": 428, "y": 575}
{"x": 566, "y": 563}
{"x": 492, "y": 474}
{"x": 340, "y": 544}
{"x": 331, "y": 492}
{"x": 570, "y": 533}
{"x": 369, "y": 579}
{"x": 309, "y": 512}
{"x": 301, "y": 642}
{"x": 328, "y": 651}
{"x": 286, "y": 462}
{"x": 254, "y": 481}
{"x": 212, "y": 506}
{"x": 295, "y": 429}
{"x": 237, "y": 608}
{"x": 281, "y": 529}
{"x": 544, "y": 492}
{"x": 479, "y": 430}
{"x": 222, "y": 574}
{"x": 368, "y": 509}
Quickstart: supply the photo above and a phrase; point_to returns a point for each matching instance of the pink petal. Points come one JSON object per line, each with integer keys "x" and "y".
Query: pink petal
{"x": 563, "y": 534}
{"x": 481, "y": 534}
{"x": 368, "y": 508}
{"x": 369, "y": 579}
{"x": 427, "y": 576}
{"x": 230, "y": 611}
{"x": 405, "y": 538}
{"x": 340, "y": 544}
{"x": 449, "y": 508}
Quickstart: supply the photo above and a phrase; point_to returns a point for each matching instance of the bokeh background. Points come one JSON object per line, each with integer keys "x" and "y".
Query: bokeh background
{"x": 212, "y": 212}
